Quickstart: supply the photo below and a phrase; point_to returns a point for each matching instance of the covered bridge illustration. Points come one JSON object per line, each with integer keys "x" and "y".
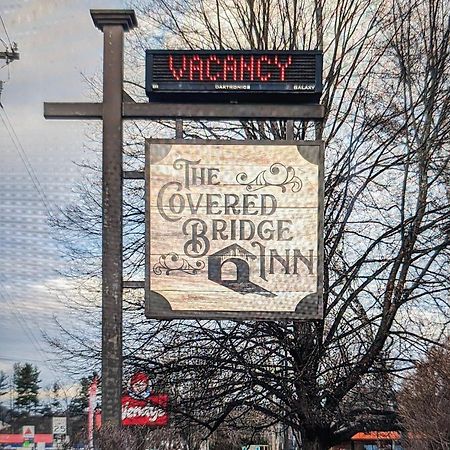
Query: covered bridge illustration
{"x": 239, "y": 281}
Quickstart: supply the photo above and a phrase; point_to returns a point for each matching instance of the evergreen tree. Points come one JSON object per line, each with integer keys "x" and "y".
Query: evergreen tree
{"x": 26, "y": 384}
{"x": 3, "y": 383}
{"x": 3, "y": 391}
{"x": 55, "y": 402}
{"x": 80, "y": 402}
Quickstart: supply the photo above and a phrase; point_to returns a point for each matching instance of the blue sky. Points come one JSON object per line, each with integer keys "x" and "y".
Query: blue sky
{"x": 57, "y": 43}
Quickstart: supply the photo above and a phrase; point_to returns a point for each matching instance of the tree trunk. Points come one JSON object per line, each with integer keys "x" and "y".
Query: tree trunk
{"x": 315, "y": 440}
{"x": 314, "y": 445}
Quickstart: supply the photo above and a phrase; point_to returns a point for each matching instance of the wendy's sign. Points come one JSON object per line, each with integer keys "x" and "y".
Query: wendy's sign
{"x": 227, "y": 75}
{"x": 140, "y": 406}
{"x": 234, "y": 230}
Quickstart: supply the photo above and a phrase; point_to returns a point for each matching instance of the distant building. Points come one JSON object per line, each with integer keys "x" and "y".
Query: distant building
{"x": 13, "y": 441}
{"x": 375, "y": 440}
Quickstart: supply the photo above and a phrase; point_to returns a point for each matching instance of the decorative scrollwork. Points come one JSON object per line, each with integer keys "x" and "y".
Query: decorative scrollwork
{"x": 172, "y": 262}
{"x": 277, "y": 175}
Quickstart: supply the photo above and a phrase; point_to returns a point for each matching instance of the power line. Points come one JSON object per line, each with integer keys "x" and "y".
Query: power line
{"x": 8, "y": 358}
{"x": 28, "y": 166}
{"x": 20, "y": 319}
{"x": 2, "y": 82}
{"x": 10, "y": 53}
{"x": 17, "y": 313}
{"x": 6, "y": 31}
{"x": 23, "y": 156}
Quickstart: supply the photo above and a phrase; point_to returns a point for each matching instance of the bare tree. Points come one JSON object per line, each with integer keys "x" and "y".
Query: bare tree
{"x": 424, "y": 402}
{"x": 387, "y": 131}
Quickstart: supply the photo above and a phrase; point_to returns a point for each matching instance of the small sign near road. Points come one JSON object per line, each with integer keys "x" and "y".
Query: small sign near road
{"x": 28, "y": 432}
{"x": 59, "y": 425}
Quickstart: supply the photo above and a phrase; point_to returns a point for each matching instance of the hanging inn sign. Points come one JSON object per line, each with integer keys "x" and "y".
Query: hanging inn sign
{"x": 234, "y": 229}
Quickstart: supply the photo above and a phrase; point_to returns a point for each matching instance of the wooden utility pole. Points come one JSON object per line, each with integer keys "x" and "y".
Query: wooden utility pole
{"x": 8, "y": 56}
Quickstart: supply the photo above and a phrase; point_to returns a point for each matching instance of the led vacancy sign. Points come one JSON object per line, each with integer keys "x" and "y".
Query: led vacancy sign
{"x": 281, "y": 76}
{"x": 234, "y": 230}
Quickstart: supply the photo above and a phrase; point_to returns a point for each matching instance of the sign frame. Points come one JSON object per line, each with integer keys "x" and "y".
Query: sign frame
{"x": 28, "y": 436}
{"x": 59, "y": 425}
{"x": 279, "y": 91}
{"x": 139, "y": 402}
{"x": 157, "y": 307}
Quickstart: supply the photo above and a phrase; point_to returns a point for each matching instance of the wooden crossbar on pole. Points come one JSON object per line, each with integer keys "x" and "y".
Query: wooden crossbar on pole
{"x": 160, "y": 111}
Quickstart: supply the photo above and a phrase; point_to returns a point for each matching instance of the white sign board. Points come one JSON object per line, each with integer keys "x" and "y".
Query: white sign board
{"x": 28, "y": 432}
{"x": 234, "y": 230}
{"x": 59, "y": 425}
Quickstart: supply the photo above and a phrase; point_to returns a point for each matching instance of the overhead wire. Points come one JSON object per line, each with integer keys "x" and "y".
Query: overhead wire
{"x": 19, "y": 316}
{"x": 6, "y": 31}
{"x": 18, "y": 146}
{"x": 11, "y": 46}
{"x": 7, "y": 79}
{"x": 9, "y": 358}
{"x": 22, "y": 320}
{"x": 43, "y": 198}
{"x": 25, "y": 160}
{"x": 28, "y": 331}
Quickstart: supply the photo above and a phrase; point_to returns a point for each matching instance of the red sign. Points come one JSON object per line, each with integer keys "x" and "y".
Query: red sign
{"x": 229, "y": 67}
{"x": 140, "y": 406}
{"x": 229, "y": 75}
{"x": 150, "y": 411}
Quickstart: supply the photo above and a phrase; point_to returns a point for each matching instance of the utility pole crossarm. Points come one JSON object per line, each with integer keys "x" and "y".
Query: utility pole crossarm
{"x": 9, "y": 56}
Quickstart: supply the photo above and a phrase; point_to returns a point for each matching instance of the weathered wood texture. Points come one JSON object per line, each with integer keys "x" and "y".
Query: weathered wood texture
{"x": 213, "y": 111}
{"x": 234, "y": 228}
